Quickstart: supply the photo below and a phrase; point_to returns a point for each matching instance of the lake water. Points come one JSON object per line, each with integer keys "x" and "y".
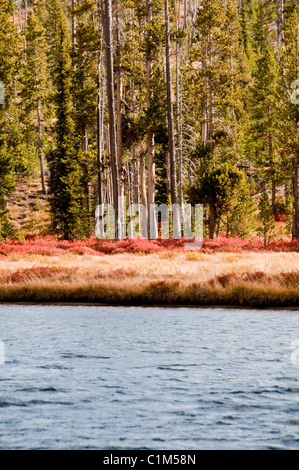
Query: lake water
{"x": 78, "y": 377}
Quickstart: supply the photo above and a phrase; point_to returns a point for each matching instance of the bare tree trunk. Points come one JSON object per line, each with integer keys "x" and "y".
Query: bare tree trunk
{"x": 119, "y": 118}
{"x": 173, "y": 178}
{"x": 194, "y": 13}
{"x": 136, "y": 197}
{"x": 168, "y": 183}
{"x": 40, "y": 148}
{"x": 25, "y": 14}
{"x": 111, "y": 109}
{"x": 118, "y": 86}
{"x": 185, "y": 13}
{"x": 20, "y": 16}
{"x": 205, "y": 124}
{"x": 270, "y": 143}
{"x": 211, "y": 98}
{"x": 85, "y": 180}
{"x": 212, "y": 225}
{"x": 150, "y": 134}
{"x": 130, "y": 195}
{"x": 179, "y": 108}
{"x": 73, "y": 22}
{"x": 100, "y": 112}
{"x": 296, "y": 195}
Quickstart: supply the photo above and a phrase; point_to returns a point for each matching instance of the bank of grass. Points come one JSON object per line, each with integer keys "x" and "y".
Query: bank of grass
{"x": 248, "y": 279}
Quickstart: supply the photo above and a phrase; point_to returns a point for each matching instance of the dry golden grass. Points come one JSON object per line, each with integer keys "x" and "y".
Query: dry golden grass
{"x": 190, "y": 278}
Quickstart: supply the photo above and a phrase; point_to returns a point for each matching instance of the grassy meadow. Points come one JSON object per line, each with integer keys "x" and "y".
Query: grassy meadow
{"x": 241, "y": 278}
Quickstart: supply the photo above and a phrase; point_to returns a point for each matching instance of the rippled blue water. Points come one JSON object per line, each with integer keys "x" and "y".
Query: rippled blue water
{"x": 79, "y": 377}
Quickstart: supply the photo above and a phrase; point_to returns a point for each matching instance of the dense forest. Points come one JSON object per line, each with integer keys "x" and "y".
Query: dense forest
{"x": 153, "y": 102}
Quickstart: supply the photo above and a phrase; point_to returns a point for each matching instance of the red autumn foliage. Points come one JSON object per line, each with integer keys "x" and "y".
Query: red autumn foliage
{"x": 279, "y": 216}
{"x": 50, "y": 246}
{"x": 37, "y": 272}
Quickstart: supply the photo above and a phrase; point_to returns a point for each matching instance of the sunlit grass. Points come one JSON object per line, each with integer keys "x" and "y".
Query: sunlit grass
{"x": 185, "y": 278}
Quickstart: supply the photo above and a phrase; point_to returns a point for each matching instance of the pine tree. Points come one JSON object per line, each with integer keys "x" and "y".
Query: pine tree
{"x": 107, "y": 24}
{"x": 264, "y": 98}
{"x": 10, "y": 134}
{"x": 220, "y": 189}
{"x": 86, "y": 44}
{"x": 35, "y": 86}
{"x": 68, "y": 216}
{"x": 218, "y": 77}
{"x": 170, "y": 120}
{"x": 290, "y": 108}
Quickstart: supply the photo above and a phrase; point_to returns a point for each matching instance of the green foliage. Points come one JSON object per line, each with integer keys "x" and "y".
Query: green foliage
{"x": 236, "y": 71}
{"x": 6, "y": 227}
{"x": 220, "y": 189}
{"x": 10, "y": 54}
{"x": 68, "y": 218}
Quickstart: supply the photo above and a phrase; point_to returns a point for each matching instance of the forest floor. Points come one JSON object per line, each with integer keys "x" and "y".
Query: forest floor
{"x": 247, "y": 279}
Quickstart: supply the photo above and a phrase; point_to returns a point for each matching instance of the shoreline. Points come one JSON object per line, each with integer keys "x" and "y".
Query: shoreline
{"x": 165, "y": 295}
{"x": 147, "y": 306}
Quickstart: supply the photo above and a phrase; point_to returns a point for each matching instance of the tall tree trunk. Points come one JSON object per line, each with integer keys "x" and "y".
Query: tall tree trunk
{"x": 296, "y": 195}
{"x": 136, "y": 197}
{"x": 212, "y": 224}
{"x": 194, "y": 13}
{"x": 130, "y": 195}
{"x": 152, "y": 229}
{"x": 168, "y": 183}
{"x": 25, "y": 21}
{"x": 111, "y": 109}
{"x": 40, "y": 148}
{"x": 100, "y": 113}
{"x": 211, "y": 97}
{"x": 85, "y": 180}
{"x": 136, "y": 193}
{"x": 119, "y": 120}
{"x": 179, "y": 109}
{"x": 173, "y": 178}
{"x": 270, "y": 143}
{"x": 143, "y": 193}
{"x": 73, "y": 22}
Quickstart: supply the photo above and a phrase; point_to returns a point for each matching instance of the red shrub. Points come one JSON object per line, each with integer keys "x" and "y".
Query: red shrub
{"x": 50, "y": 246}
{"x": 37, "y": 272}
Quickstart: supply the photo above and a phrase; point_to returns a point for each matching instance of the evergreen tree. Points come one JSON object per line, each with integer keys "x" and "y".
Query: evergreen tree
{"x": 86, "y": 44}
{"x": 220, "y": 189}
{"x": 10, "y": 134}
{"x": 35, "y": 92}
{"x": 264, "y": 99}
{"x": 219, "y": 76}
{"x": 68, "y": 216}
{"x": 290, "y": 108}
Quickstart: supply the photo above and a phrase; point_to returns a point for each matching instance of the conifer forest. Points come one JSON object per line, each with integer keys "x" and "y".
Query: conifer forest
{"x": 156, "y": 102}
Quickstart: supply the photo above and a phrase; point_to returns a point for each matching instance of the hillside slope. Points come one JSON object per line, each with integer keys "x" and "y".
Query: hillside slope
{"x": 29, "y": 209}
